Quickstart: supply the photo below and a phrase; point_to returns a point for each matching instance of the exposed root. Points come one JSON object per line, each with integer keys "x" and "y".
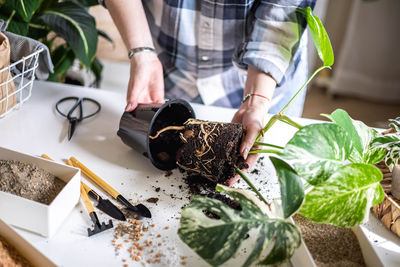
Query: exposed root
{"x": 177, "y": 128}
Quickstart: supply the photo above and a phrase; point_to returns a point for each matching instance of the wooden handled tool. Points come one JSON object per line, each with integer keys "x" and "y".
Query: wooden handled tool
{"x": 94, "y": 178}
{"x": 98, "y": 227}
{"x": 104, "y": 205}
{"x": 140, "y": 209}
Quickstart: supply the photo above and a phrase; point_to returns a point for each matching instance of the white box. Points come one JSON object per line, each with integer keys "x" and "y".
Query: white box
{"x": 34, "y": 216}
{"x": 23, "y": 247}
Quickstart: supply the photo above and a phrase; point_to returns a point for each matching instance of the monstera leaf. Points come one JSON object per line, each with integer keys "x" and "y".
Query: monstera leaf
{"x": 217, "y": 240}
{"x": 292, "y": 192}
{"x": 76, "y": 26}
{"x": 317, "y": 150}
{"x": 346, "y": 197}
{"x": 361, "y": 136}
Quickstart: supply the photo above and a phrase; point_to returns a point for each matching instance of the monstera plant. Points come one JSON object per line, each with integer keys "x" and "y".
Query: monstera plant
{"x": 64, "y": 26}
{"x": 326, "y": 173}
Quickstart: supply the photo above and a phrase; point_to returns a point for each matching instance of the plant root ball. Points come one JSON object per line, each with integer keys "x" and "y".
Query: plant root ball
{"x": 211, "y": 149}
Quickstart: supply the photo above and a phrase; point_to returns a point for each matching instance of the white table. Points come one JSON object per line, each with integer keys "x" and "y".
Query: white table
{"x": 36, "y": 128}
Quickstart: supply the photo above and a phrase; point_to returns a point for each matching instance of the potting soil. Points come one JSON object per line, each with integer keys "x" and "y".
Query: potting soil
{"x": 330, "y": 245}
{"x": 29, "y": 181}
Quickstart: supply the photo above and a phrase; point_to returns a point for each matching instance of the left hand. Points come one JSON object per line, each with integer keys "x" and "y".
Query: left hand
{"x": 252, "y": 113}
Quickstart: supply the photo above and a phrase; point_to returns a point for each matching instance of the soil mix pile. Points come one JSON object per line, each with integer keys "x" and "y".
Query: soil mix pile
{"x": 211, "y": 150}
{"x": 10, "y": 257}
{"x": 29, "y": 181}
{"x": 330, "y": 245}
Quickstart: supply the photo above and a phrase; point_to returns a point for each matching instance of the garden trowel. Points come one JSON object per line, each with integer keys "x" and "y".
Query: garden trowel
{"x": 139, "y": 209}
{"x": 105, "y": 205}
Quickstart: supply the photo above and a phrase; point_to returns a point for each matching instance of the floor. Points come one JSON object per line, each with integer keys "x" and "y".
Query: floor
{"x": 116, "y": 75}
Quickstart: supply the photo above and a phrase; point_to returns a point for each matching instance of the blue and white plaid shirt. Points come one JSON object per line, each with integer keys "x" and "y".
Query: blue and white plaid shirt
{"x": 206, "y": 45}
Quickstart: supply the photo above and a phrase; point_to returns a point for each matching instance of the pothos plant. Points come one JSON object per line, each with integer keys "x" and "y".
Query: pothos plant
{"x": 325, "y": 172}
{"x": 52, "y": 20}
{"x": 391, "y": 142}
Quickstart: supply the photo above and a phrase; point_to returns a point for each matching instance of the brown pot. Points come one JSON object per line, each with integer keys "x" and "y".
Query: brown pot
{"x": 388, "y": 211}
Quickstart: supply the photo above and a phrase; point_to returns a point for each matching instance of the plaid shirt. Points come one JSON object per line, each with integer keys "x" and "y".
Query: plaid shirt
{"x": 206, "y": 45}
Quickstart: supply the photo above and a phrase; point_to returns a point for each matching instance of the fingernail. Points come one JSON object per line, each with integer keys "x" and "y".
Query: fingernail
{"x": 128, "y": 107}
{"x": 245, "y": 153}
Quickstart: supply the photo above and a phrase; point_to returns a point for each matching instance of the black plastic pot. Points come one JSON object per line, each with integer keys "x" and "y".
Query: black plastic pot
{"x": 136, "y": 127}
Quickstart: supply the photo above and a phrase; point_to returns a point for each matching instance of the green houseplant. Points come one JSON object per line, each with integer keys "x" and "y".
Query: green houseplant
{"x": 49, "y": 21}
{"x": 326, "y": 173}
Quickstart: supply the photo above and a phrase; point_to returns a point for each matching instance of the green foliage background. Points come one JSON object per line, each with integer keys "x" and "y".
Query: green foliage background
{"x": 49, "y": 20}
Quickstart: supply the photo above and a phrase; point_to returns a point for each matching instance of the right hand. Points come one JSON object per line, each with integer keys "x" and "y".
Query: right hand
{"x": 146, "y": 82}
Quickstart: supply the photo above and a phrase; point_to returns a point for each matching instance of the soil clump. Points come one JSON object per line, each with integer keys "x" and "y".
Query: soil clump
{"x": 199, "y": 185}
{"x": 211, "y": 149}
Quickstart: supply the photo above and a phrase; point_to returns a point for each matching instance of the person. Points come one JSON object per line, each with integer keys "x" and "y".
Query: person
{"x": 245, "y": 54}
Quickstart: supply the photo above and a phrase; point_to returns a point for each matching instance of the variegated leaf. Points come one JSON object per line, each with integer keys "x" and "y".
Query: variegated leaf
{"x": 217, "y": 240}
{"x": 317, "y": 150}
{"x": 361, "y": 136}
{"x": 292, "y": 192}
{"x": 346, "y": 197}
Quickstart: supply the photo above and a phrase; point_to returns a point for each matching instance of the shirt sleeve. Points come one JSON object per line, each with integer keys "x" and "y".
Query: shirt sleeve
{"x": 273, "y": 36}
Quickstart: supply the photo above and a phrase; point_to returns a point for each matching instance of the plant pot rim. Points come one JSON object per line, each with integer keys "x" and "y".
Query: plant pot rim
{"x": 154, "y": 161}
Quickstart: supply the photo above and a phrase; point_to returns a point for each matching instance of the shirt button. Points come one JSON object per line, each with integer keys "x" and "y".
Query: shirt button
{"x": 205, "y": 58}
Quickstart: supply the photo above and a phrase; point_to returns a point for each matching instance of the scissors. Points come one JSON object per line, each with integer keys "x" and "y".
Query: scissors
{"x": 74, "y": 120}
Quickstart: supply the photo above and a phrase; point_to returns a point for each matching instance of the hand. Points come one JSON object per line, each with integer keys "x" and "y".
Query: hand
{"x": 146, "y": 82}
{"x": 252, "y": 116}
{"x": 252, "y": 113}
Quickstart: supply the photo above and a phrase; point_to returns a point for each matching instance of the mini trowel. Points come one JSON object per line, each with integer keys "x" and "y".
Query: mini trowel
{"x": 139, "y": 209}
{"x": 104, "y": 205}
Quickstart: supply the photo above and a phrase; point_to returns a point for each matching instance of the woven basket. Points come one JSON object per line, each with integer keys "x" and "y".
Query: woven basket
{"x": 388, "y": 211}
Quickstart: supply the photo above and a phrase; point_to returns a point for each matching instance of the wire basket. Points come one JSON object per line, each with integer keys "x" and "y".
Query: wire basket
{"x": 21, "y": 80}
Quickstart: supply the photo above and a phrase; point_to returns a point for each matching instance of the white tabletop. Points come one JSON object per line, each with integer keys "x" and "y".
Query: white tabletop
{"x": 36, "y": 128}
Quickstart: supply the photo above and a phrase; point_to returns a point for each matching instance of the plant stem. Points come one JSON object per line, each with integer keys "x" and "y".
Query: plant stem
{"x": 37, "y": 26}
{"x": 251, "y": 185}
{"x": 301, "y": 89}
{"x": 306, "y": 186}
{"x": 264, "y": 151}
{"x": 267, "y": 126}
{"x": 289, "y": 121}
{"x": 266, "y": 144}
{"x": 11, "y": 17}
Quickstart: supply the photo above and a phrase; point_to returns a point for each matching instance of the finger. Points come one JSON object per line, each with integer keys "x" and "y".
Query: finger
{"x": 251, "y": 134}
{"x": 157, "y": 90}
{"x": 135, "y": 90}
{"x": 233, "y": 180}
{"x": 251, "y": 160}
